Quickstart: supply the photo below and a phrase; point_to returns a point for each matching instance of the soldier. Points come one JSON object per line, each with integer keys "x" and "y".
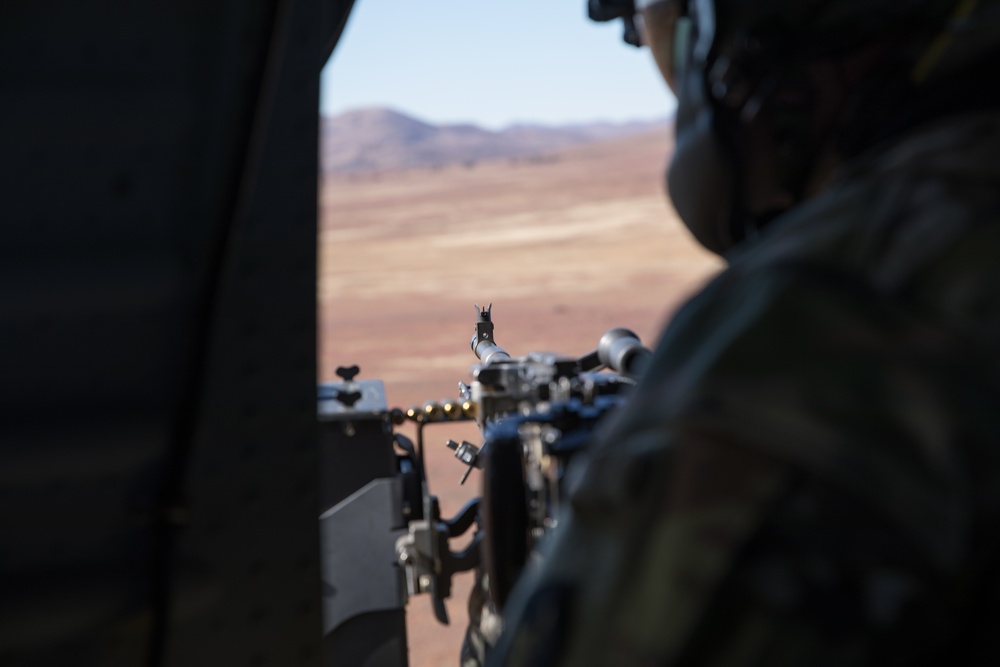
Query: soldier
{"x": 809, "y": 473}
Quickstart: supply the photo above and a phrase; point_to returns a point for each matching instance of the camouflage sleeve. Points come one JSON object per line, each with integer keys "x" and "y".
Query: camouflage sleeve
{"x": 784, "y": 489}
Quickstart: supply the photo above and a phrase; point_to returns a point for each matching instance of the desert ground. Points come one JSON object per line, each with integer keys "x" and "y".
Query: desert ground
{"x": 564, "y": 246}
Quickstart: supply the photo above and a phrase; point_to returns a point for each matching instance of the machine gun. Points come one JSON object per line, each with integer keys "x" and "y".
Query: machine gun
{"x": 534, "y": 413}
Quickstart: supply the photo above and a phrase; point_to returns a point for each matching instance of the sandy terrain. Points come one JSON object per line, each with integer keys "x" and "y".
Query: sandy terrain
{"x": 564, "y": 247}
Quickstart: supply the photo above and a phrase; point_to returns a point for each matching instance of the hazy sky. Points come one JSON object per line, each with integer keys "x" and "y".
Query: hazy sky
{"x": 491, "y": 62}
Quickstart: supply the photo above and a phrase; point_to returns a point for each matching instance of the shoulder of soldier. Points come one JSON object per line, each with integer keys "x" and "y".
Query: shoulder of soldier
{"x": 856, "y": 339}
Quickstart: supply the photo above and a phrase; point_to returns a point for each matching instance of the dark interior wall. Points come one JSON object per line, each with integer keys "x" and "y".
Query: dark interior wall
{"x": 157, "y": 330}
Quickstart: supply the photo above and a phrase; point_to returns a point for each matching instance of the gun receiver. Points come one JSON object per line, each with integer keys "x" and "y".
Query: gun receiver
{"x": 534, "y": 413}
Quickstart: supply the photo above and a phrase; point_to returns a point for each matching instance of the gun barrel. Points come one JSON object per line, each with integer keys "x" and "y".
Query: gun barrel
{"x": 482, "y": 342}
{"x": 487, "y": 351}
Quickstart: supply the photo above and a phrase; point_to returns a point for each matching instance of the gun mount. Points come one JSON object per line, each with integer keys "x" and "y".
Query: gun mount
{"x": 534, "y": 413}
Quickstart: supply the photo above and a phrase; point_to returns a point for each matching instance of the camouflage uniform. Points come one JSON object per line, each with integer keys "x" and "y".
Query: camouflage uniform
{"x": 810, "y": 472}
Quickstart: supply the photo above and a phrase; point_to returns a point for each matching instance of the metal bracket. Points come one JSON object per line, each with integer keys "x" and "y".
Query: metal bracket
{"x": 428, "y": 563}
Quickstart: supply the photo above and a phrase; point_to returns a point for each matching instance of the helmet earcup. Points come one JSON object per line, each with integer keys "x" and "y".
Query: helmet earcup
{"x": 701, "y": 174}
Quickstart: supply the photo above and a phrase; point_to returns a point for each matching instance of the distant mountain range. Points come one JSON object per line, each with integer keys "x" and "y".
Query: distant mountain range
{"x": 378, "y": 139}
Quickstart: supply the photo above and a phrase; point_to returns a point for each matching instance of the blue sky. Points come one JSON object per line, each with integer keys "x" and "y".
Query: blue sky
{"x": 491, "y": 62}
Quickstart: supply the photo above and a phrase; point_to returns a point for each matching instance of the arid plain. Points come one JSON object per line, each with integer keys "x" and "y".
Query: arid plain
{"x": 565, "y": 246}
